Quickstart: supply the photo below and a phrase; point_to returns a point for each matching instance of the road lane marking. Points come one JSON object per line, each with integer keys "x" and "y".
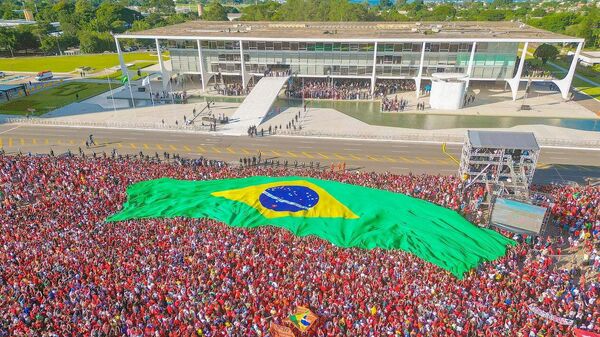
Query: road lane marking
{"x": 132, "y": 146}
{"x": 245, "y": 151}
{"x": 355, "y": 157}
{"x": 422, "y": 160}
{"x": 22, "y": 140}
{"x": 230, "y": 150}
{"x": 146, "y": 146}
{"x": 276, "y": 153}
{"x": 1, "y": 144}
{"x": 322, "y": 155}
{"x": 200, "y": 148}
{"x": 307, "y": 155}
{"x": 373, "y": 158}
{"x": 9, "y": 130}
{"x": 406, "y": 160}
{"x": 339, "y": 156}
{"x": 159, "y": 147}
{"x": 46, "y": 141}
{"x": 390, "y": 159}
{"x": 292, "y": 154}
{"x": 216, "y": 150}
{"x": 172, "y": 147}
{"x": 187, "y": 148}
{"x": 34, "y": 141}
{"x": 351, "y": 149}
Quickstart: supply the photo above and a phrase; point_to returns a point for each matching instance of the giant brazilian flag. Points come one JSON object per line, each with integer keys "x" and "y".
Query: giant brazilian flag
{"x": 345, "y": 215}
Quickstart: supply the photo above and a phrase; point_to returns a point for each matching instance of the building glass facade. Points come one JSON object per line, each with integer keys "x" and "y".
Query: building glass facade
{"x": 492, "y": 60}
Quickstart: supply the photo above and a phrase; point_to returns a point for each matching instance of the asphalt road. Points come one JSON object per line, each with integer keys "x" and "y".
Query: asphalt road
{"x": 398, "y": 157}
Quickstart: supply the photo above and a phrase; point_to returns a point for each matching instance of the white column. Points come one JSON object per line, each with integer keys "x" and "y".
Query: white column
{"x": 201, "y": 63}
{"x": 243, "y": 65}
{"x": 470, "y": 66}
{"x": 516, "y": 80}
{"x": 163, "y": 73}
{"x": 124, "y": 70}
{"x": 420, "y": 74}
{"x": 374, "y": 67}
{"x": 564, "y": 85}
{"x": 121, "y": 60}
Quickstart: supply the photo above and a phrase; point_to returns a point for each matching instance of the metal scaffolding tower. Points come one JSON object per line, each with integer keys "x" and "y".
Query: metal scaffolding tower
{"x": 504, "y": 161}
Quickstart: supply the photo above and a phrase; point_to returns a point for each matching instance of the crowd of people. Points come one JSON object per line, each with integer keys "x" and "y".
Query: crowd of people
{"x": 393, "y": 104}
{"x": 536, "y": 71}
{"x": 64, "y": 271}
{"x": 389, "y": 87}
{"x": 232, "y": 89}
{"x": 330, "y": 89}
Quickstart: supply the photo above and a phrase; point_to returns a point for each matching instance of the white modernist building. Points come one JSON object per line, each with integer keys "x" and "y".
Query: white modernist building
{"x": 479, "y": 51}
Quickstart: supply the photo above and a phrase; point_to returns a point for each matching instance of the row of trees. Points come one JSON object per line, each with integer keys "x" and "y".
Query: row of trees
{"x": 560, "y": 18}
{"x": 87, "y": 24}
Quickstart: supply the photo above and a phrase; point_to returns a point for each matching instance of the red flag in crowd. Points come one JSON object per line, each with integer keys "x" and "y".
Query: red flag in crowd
{"x": 280, "y": 330}
{"x": 583, "y": 333}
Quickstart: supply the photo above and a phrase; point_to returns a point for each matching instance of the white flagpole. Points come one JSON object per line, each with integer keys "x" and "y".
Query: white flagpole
{"x": 111, "y": 91}
{"x": 151, "y": 95}
{"x": 130, "y": 91}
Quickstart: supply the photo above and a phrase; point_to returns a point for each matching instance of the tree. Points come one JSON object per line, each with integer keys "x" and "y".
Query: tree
{"x": 214, "y": 11}
{"x": 263, "y": 11}
{"x": 501, "y": 3}
{"x": 385, "y": 4}
{"x": 546, "y": 52}
{"x": 84, "y": 11}
{"x": 161, "y": 6}
{"x": 557, "y": 22}
{"x": 8, "y": 39}
{"x": 95, "y": 42}
{"x": 443, "y": 12}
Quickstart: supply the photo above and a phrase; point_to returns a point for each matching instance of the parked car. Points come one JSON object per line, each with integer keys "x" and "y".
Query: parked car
{"x": 44, "y": 75}
{"x": 2, "y": 74}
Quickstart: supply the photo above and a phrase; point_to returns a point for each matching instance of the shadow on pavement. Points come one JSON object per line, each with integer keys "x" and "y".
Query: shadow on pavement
{"x": 561, "y": 173}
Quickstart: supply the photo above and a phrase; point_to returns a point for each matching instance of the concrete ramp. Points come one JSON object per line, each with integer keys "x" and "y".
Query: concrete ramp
{"x": 256, "y": 105}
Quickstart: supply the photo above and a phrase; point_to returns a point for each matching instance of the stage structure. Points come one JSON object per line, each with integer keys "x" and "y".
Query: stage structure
{"x": 504, "y": 161}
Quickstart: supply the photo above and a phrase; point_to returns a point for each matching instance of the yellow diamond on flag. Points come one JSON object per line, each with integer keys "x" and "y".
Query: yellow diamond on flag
{"x": 295, "y": 198}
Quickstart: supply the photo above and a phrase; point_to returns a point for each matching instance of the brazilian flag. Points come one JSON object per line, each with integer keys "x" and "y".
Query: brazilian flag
{"x": 345, "y": 215}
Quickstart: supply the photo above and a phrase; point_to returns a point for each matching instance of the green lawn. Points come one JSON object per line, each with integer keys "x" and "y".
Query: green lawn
{"x": 140, "y": 65}
{"x": 64, "y": 64}
{"x": 587, "y": 88}
{"x": 48, "y": 100}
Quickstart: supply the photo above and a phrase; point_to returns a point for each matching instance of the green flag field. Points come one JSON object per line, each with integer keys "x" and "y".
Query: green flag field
{"x": 345, "y": 215}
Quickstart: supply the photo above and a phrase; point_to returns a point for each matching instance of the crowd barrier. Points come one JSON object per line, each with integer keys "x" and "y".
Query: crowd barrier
{"x": 117, "y": 125}
{"x": 434, "y": 137}
{"x": 421, "y": 137}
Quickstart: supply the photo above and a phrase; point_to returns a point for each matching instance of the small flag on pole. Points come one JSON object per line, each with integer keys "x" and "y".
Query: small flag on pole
{"x": 146, "y": 81}
{"x": 124, "y": 79}
{"x": 303, "y": 319}
{"x": 280, "y": 331}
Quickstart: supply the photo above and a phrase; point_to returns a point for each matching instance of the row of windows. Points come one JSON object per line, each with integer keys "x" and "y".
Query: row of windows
{"x": 451, "y": 47}
{"x": 307, "y": 46}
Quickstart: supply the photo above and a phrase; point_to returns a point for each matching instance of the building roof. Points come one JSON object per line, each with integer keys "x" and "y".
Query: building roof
{"x": 503, "y": 140}
{"x": 352, "y": 31}
{"x": 8, "y": 87}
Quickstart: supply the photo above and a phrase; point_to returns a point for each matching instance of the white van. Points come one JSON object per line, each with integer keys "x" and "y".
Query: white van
{"x": 44, "y": 75}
